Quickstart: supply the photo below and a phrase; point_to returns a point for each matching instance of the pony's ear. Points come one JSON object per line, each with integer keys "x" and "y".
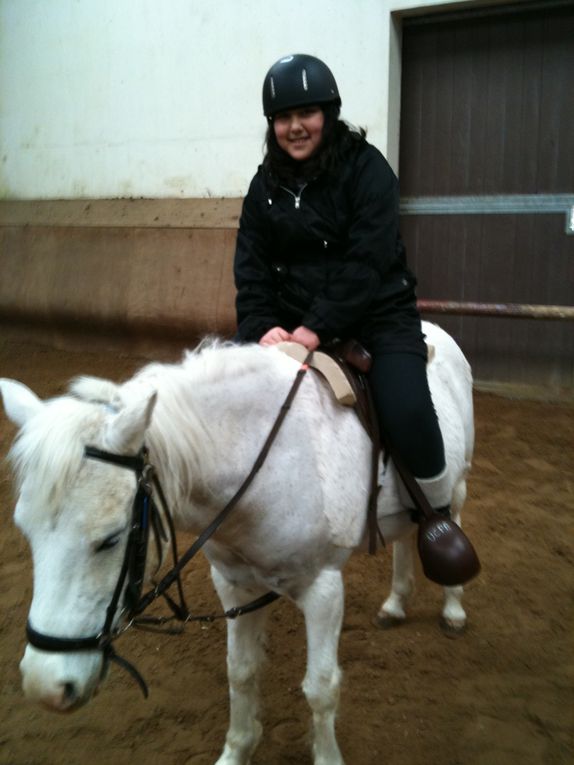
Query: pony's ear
{"x": 96, "y": 390}
{"x": 20, "y": 402}
{"x": 126, "y": 430}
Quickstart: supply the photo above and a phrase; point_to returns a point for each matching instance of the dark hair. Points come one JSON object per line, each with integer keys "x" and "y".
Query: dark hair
{"x": 337, "y": 141}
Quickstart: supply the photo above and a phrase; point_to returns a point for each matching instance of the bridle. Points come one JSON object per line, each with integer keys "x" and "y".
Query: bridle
{"x": 146, "y": 517}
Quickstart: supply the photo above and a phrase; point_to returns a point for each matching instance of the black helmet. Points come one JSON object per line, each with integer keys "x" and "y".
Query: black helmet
{"x": 298, "y": 80}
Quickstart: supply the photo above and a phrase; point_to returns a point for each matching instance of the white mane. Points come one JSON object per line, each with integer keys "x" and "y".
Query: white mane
{"x": 49, "y": 449}
{"x": 188, "y": 394}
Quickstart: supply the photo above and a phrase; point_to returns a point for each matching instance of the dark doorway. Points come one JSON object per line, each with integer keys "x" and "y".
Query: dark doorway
{"x": 487, "y": 112}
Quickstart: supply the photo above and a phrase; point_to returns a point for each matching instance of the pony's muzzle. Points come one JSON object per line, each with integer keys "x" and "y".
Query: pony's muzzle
{"x": 59, "y": 683}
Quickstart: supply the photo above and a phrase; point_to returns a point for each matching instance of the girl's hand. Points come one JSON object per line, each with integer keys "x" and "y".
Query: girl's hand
{"x": 306, "y": 337}
{"x": 274, "y": 336}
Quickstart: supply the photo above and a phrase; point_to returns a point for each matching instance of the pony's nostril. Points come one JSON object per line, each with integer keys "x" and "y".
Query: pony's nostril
{"x": 69, "y": 695}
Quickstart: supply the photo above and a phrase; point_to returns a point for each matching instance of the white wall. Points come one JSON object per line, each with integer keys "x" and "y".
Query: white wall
{"x": 152, "y": 98}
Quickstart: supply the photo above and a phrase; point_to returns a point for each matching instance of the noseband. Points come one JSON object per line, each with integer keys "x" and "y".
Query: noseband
{"x": 146, "y": 516}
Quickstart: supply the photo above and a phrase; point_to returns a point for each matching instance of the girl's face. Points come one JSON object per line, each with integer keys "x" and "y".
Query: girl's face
{"x": 299, "y": 131}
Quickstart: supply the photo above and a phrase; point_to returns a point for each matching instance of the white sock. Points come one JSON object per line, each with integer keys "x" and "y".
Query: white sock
{"x": 437, "y": 490}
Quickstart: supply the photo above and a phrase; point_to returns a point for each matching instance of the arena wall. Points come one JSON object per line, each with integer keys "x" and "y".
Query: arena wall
{"x": 145, "y": 275}
{"x": 128, "y": 134}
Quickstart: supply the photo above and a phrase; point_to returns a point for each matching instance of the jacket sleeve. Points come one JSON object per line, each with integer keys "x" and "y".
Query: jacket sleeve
{"x": 371, "y": 249}
{"x": 256, "y": 299}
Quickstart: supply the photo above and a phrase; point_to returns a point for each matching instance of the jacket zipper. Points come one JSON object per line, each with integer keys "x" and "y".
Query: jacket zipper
{"x": 296, "y": 197}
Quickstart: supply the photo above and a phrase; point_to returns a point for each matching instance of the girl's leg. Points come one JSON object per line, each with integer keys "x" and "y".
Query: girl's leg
{"x": 408, "y": 420}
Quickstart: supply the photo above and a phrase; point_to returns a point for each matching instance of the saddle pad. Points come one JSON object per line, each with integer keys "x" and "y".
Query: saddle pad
{"x": 328, "y": 367}
{"x": 330, "y": 370}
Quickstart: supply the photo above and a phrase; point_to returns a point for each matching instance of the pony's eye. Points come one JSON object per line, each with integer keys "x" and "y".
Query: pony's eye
{"x": 108, "y": 543}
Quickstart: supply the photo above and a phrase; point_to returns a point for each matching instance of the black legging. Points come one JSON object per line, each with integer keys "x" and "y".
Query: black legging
{"x": 406, "y": 412}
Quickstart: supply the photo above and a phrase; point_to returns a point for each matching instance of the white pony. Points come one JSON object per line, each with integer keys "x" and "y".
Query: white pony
{"x": 204, "y": 422}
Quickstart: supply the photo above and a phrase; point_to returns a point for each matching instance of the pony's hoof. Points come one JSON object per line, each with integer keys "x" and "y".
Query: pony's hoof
{"x": 385, "y": 621}
{"x": 452, "y": 628}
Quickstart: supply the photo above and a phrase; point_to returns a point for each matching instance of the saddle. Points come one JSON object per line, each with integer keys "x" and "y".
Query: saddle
{"x": 342, "y": 366}
{"x": 335, "y": 367}
{"x": 447, "y": 555}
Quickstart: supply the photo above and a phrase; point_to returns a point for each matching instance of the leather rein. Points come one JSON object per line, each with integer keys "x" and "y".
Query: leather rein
{"x": 145, "y": 518}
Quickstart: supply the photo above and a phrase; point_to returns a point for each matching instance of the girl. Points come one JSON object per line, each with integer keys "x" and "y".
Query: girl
{"x": 319, "y": 257}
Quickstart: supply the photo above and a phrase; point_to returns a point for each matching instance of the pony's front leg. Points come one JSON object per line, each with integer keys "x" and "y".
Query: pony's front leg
{"x": 322, "y": 605}
{"x": 245, "y": 653}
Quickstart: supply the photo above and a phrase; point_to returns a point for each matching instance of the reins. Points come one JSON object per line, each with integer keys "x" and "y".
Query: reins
{"x": 174, "y": 574}
{"x": 145, "y": 515}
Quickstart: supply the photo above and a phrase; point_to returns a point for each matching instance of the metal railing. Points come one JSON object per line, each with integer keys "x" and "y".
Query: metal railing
{"x": 505, "y": 310}
{"x": 493, "y": 204}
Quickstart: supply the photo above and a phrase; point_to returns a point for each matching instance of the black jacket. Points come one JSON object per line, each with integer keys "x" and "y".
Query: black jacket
{"x": 327, "y": 256}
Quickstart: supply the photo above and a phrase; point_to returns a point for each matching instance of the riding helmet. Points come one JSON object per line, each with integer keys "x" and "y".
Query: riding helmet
{"x": 298, "y": 80}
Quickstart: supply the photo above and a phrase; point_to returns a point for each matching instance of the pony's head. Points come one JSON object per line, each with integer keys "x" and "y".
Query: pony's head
{"x": 75, "y": 514}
